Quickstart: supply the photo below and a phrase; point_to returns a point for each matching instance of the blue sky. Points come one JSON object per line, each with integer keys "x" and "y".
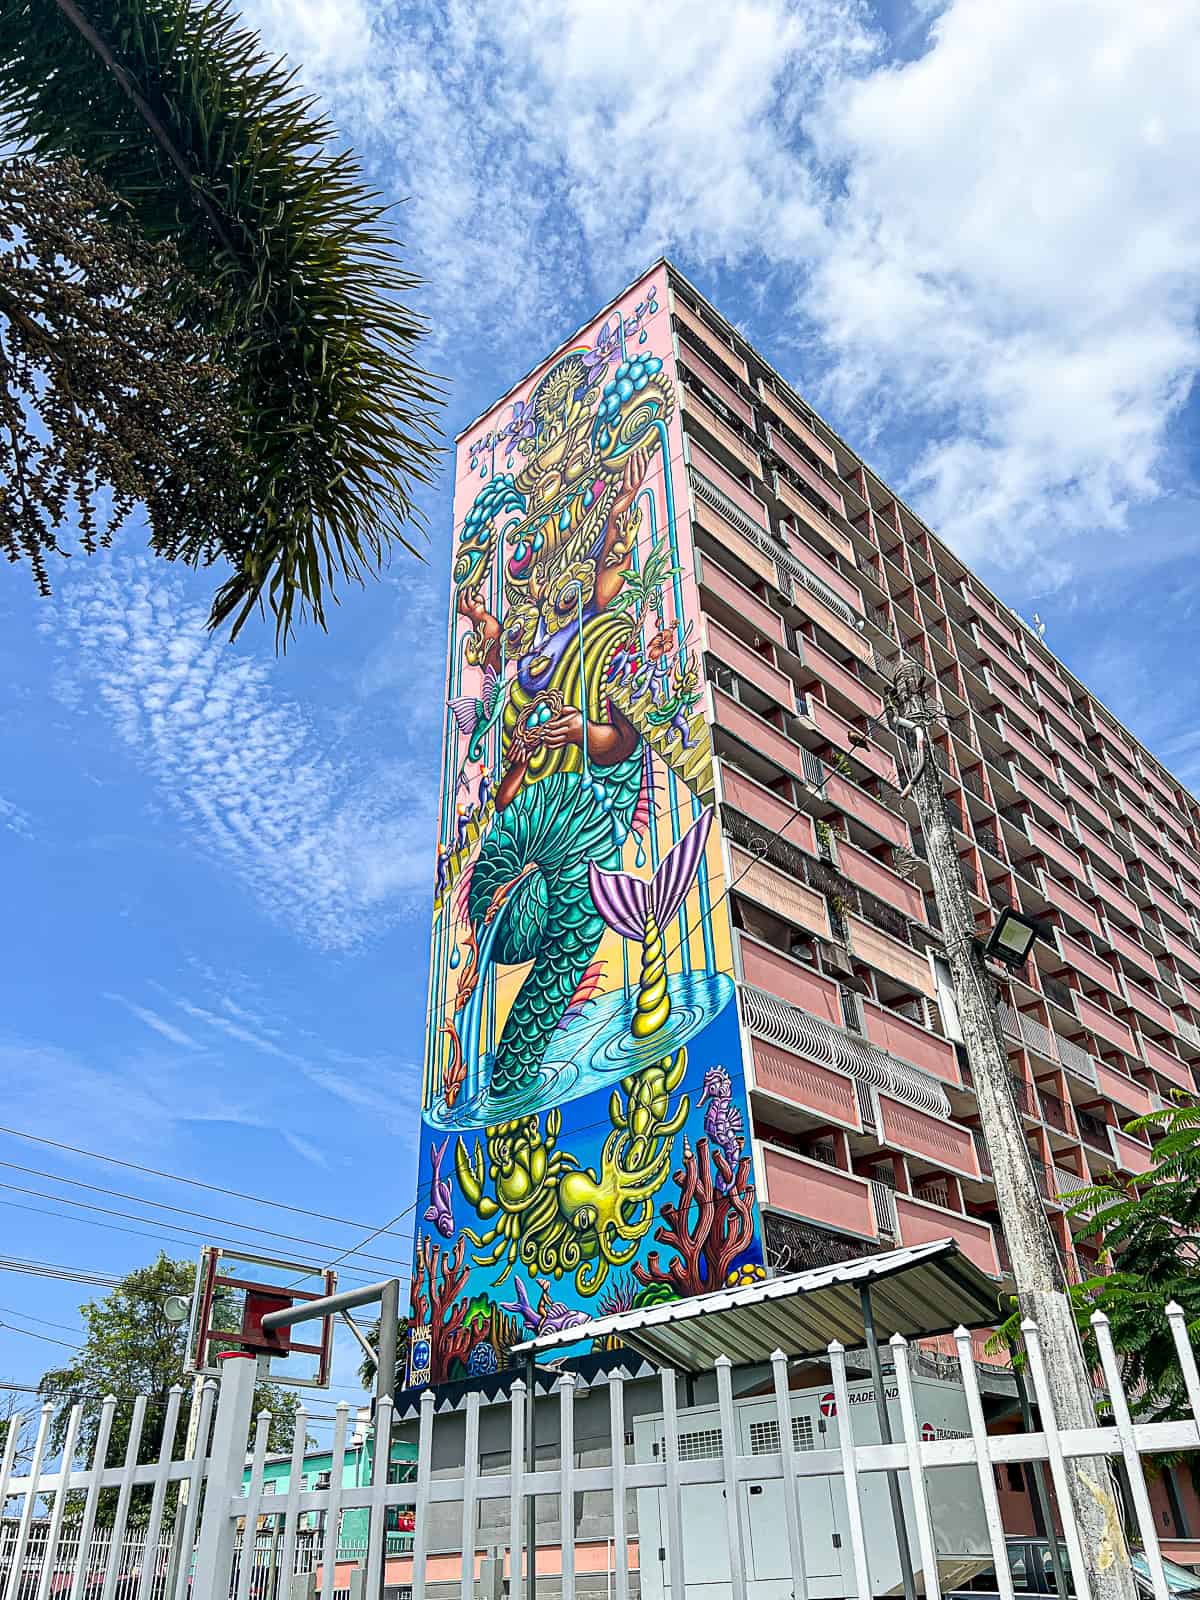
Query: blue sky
{"x": 970, "y": 234}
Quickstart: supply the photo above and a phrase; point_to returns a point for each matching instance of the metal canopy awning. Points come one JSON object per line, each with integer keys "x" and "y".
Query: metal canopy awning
{"x": 918, "y": 1291}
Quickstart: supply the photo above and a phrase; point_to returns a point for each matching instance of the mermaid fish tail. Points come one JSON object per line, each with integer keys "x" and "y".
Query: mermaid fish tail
{"x": 639, "y": 911}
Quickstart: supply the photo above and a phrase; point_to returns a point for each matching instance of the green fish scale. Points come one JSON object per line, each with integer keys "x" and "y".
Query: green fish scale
{"x": 551, "y": 921}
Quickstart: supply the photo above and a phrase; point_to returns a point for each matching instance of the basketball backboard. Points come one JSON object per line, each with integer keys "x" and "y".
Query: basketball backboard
{"x": 234, "y": 1291}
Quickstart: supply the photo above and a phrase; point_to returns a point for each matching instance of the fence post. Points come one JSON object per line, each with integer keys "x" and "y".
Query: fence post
{"x": 214, "y": 1548}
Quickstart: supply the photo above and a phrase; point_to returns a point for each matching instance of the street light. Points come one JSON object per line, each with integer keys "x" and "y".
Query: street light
{"x": 1011, "y": 940}
{"x": 177, "y": 1308}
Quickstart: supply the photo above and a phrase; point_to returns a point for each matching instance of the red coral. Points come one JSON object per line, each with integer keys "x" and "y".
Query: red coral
{"x": 433, "y": 1303}
{"x": 710, "y": 1241}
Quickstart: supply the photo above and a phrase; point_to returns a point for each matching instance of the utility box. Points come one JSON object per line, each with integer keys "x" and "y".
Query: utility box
{"x": 955, "y": 1502}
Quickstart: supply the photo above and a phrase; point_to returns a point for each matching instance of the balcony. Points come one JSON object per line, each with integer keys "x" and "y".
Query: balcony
{"x": 841, "y": 680}
{"x": 1123, "y": 1091}
{"x": 760, "y": 804}
{"x": 933, "y": 1139}
{"x": 741, "y": 602}
{"x": 827, "y": 1094}
{"x": 1104, "y": 1025}
{"x": 898, "y": 961}
{"x": 867, "y": 873}
{"x": 1168, "y": 1066}
{"x": 985, "y": 609}
{"x": 1034, "y": 791}
{"x": 1002, "y": 660}
{"x": 711, "y": 379}
{"x": 1149, "y": 1006}
{"x": 736, "y": 538}
{"x": 1093, "y": 1130}
{"x": 795, "y": 424}
{"x": 908, "y": 1042}
{"x": 809, "y": 567}
{"x": 1080, "y": 959}
{"x": 1116, "y": 899}
{"x": 922, "y": 1223}
{"x": 1028, "y": 750}
{"x": 1046, "y": 844}
{"x": 712, "y": 475}
{"x": 722, "y": 432}
{"x": 808, "y": 474}
{"x": 1095, "y": 845}
{"x": 1064, "y": 900}
{"x": 708, "y": 338}
{"x": 857, "y": 803}
{"x": 1091, "y": 807}
{"x": 1054, "y": 1112}
{"x": 1131, "y": 1156}
{"x": 1189, "y": 956}
{"x": 839, "y": 732}
{"x": 756, "y": 733}
{"x": 748, "y": 664}
{"x": 779, "y": 975}
{"x": 804, "y": 511}
{"x": 1129, "y": 948}
{"x": 817, "y": 1193}
{"x": 778, "y": 893}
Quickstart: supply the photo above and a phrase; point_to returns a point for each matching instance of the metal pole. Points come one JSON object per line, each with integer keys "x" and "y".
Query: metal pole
{"x": 531, "y": 1498}
{"x": 389, "y": 1316}
{"x": 885, "y": 1436}
{"x": 1039, "y": 1479}
{"x": 327, "y": 1305}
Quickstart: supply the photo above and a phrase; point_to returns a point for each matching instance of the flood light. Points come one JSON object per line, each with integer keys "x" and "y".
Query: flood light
{"x": 1011, "y": 940}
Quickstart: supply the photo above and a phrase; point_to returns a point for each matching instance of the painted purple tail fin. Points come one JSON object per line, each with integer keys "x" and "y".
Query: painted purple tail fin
{"x": 623, "y": 900}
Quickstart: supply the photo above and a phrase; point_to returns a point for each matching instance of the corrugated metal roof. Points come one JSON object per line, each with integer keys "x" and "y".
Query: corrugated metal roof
{"x": 918, "y": 1291}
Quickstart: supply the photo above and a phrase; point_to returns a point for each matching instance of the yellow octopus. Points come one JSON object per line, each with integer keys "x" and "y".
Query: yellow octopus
{"x": 556, "y": 1217}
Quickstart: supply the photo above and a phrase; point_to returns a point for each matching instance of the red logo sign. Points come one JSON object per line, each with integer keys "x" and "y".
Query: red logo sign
{"x": 829, "y": 1404}
{"x": 928, "y": 1431}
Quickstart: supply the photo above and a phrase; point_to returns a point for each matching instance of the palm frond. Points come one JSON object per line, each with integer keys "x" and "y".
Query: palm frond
{"x": 208, "y": 142}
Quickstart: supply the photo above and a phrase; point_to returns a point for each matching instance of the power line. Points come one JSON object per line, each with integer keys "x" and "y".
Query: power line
{"x": 46, "y": 1269}
{"x": 140, "y": 1233}
{"x": 162, "y": 1205}
{"x": 45, "y": 1321}
{"x": 30, "y": 1334}
{"x": 175, "y": 1177}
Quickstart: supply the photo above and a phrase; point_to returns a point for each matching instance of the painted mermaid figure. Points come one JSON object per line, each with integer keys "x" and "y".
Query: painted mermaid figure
{"x": 556, "y": 539}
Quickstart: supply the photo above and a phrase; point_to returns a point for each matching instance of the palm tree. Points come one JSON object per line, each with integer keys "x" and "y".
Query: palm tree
{"x": 285, "y": 256}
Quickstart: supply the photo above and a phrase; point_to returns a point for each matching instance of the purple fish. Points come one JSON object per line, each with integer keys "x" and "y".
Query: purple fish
{"x": 439, "y": 1210}
{"x": 548, "y": 1316}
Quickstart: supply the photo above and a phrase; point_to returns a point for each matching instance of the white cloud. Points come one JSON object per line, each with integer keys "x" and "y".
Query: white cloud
{"x": 329, "y": 848}
{"x": 156, "y": 1023}
{"x": 994, "y": 247}
{"x": 15, "y": 820}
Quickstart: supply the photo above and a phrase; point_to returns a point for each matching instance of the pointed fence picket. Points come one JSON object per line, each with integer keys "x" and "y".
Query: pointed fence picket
{"x": 223, "y": 1538}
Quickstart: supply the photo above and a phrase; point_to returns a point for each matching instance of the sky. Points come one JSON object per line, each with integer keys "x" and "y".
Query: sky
{"x": 969, "y": 234}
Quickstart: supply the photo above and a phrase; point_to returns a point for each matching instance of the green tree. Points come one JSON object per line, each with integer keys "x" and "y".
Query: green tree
{"x": 366, "y": 1367}
{"x": 1151, "y": 1225}
{"x": 130, "y": 1348}
{"x": 287, "y": 259}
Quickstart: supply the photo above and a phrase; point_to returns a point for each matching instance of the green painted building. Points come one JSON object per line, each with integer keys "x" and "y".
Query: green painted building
{"x": 358, "y": 1465}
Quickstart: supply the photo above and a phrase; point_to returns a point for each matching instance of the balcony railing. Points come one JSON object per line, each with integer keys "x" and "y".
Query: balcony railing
{"x": 981, "y": 1153}
{"x": 784, "y": 1024}
{"x": 1058, "y": 992}
{"x": 1093, "y": 1131}
{"x": 884, "y": 1198}
{"x": 1054, "y": 1112}
{"x": 1023, "y": 1095}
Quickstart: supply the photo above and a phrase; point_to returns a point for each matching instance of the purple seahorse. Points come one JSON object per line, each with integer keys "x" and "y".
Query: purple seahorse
{"x": 722, "y": 1119}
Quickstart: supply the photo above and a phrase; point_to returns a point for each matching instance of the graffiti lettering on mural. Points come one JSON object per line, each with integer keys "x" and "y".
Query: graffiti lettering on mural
{"x": 583, "y": 1099}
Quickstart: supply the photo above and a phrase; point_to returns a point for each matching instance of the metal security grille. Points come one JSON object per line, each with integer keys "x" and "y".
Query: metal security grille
{"x": 764, "y": 1436}
{"x": 699, "y": 1446}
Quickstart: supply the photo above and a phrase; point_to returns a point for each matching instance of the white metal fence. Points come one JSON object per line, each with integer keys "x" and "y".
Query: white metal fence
{"x": 206, "y": 1543}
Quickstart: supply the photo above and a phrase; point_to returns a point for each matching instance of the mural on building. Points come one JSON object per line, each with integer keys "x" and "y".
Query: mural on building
{"x": 583, "y": 1125}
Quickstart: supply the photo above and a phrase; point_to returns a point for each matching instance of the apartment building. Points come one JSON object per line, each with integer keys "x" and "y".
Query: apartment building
{"x": 815, "y": 579}
{"x": 685, "y": 951}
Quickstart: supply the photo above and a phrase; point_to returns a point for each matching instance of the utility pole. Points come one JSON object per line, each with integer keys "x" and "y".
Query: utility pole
{"x": 1041, "y": 1282}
